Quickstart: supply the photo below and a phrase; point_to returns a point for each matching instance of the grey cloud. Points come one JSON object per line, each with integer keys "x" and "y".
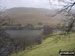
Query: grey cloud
{"x": 26, "y": 3}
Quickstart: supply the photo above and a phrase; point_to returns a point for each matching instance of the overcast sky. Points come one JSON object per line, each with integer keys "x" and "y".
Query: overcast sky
{"x": 29, "y": 3}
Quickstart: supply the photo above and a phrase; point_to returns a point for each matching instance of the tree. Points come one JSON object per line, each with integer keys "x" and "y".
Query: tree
{"x": 2, "y": 19}
{"x": 67, "y": 10}
{"x": 40, "y": 23}
{"x": 5, "y": 42}
{"x": 47, "y": 30}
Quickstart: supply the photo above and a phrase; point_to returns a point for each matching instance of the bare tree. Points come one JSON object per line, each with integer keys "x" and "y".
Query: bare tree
{"x": 2, "y": 20}
{"x": 67, "y": 10}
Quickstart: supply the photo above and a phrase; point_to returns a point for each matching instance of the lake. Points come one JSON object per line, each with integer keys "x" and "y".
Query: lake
{"x": 24, "y": 33}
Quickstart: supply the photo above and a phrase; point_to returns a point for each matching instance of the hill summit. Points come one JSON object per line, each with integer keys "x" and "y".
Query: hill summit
{"x": 23, "y": 15}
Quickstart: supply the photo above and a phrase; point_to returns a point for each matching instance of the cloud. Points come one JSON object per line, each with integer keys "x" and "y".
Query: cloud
{"x": 28, "y": 3}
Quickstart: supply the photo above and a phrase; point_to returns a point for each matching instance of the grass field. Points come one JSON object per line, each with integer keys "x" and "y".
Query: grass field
{"x": 51, "y": 46}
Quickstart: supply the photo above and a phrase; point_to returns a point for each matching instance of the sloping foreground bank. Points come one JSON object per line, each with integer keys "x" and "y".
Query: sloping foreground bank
{"x": 13, "y": 41}
{"x": 51, "y": 46}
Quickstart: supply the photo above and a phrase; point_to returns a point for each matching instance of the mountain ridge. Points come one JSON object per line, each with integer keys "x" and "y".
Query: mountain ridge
{"x": 23, "y": 15}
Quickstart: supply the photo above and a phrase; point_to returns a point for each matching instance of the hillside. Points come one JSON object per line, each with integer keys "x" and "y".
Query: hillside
{"x": 50, "y": 46}
{"x": 23, "y": 15}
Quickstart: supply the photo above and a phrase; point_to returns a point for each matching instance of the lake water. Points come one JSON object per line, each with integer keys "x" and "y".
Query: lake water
{"x": 24, "y": 33}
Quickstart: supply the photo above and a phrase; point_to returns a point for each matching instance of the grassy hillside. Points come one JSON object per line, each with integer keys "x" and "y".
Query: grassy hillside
{"x": 23, "y": 15}
{"x": 50, "y": 46}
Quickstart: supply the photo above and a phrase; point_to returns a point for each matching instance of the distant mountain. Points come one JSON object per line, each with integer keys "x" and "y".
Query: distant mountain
{"x": 23, "y": 15}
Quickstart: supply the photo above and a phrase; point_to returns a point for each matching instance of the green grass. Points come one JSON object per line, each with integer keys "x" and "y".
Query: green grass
{"x": 38, "y": 26}
{"x": 51, "y": 46}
